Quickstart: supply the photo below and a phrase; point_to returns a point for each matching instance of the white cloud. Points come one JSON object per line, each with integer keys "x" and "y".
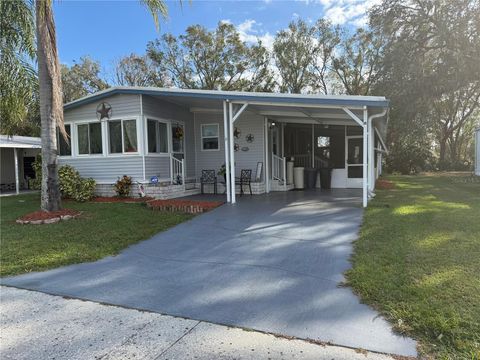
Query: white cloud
{"x": 341, "y": 12}
{"x": 251, "y": 32}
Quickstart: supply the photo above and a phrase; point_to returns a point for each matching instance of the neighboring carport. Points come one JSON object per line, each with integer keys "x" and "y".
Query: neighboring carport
{"x": 10, "y": 147}
{"x": 272, "y": 263}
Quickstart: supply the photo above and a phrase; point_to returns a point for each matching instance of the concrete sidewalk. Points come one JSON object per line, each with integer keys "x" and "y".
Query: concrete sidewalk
{"x": 34, "y": 325}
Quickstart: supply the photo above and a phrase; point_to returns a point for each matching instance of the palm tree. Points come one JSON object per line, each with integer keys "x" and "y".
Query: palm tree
{"x": 51, "y": 109}
{"x": 18, "y": 80}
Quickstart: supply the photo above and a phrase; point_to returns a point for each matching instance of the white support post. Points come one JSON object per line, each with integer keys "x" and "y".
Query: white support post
{"x": 283, "y": 139}
{"x": 365, "y": 159}
{"x": 284, "y": 173}
{"x": 313, "y": 146}
{"x": 267, "y": 157}
{"x": 17, "y": 177}
{"x": 232, "y": 156}
{"x": 231, "y": 122}
{"x": 227, "y": 159}
{"x": 371, "y": 152}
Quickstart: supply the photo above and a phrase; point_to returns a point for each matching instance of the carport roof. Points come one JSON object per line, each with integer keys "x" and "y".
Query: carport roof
{"x": 190, "y": 96}
{"x": 20, "y": 142}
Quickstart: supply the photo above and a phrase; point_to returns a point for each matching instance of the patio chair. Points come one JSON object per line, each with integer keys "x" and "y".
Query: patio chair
{"x": 244, "y": 179}
{"x": 209, "y": 178}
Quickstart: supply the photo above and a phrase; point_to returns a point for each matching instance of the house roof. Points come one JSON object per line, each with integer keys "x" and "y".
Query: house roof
{"x": 240, "y": 96}
{"x": 21, "y": 142}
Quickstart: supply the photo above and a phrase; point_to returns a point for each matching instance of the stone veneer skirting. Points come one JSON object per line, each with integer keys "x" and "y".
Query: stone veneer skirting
{"x": 257, "y": 188}
{"x": 167, "y": 191}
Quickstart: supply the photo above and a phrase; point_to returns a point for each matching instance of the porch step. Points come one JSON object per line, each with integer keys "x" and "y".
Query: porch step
{"x": 277, "y": 185}
{"x": 189, "y": 192}
{"x": 190, "y": 186}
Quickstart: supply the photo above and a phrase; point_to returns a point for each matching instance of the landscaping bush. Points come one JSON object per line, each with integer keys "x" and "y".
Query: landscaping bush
{"x": 73, "y": 186}
{"x": 123, "y": 186}
{"x": 36, "y": 183}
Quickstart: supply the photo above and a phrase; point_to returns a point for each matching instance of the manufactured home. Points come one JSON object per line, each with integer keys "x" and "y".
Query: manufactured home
{"x": 167, "y": 139}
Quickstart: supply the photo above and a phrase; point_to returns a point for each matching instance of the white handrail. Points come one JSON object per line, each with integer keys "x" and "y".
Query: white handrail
{"x": 178, "y": 170}
{"x": 279, "y": 169}
{"x": 305, "y": 160}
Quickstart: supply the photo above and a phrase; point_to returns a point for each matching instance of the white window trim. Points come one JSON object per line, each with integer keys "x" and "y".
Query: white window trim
{"x": 71, "y": 142}
{"x": 132, "y": 118}
{"x": 209, "y": 137}
{"x": 169, "y": 146}
{"x": 77, "y": 124}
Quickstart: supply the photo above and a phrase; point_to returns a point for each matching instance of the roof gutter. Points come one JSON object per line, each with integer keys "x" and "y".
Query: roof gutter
{"x": 370, "y": 120}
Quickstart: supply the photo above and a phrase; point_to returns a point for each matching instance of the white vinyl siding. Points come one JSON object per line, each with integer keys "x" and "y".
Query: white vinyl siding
{"x": 247, "y": 124}
{"x": 106, "y": 170}
{"x": 123, "y": 105}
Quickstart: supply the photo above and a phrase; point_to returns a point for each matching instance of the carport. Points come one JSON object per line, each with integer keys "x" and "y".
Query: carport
{"x": 265, "y": 112}
{"x": 15, "y": 150}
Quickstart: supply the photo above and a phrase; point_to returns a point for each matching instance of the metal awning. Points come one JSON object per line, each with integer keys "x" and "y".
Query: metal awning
{"x": 20, "y": 142}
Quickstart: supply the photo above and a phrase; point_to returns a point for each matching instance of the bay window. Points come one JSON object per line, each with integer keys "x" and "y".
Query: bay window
{"x": 122, "y": 136}
{"x": 157, "y": 134}
{"x": 89, "y": 138}
{"x": 64, "y": 147}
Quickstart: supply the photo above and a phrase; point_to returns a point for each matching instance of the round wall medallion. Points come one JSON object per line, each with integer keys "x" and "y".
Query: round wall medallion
{"x": 250, "y": 138}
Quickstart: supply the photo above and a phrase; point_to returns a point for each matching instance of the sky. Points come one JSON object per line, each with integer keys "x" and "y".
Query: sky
{"x": 109, "y": 29}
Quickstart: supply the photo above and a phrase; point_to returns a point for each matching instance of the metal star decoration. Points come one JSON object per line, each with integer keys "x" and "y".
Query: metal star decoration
{"x": 104, "y": 111}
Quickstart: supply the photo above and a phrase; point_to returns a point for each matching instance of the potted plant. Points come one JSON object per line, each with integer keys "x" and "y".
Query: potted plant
{"x": 223, "y": 172}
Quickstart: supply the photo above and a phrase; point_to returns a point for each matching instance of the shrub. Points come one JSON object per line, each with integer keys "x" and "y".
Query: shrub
{"x": 123, "y": 186}
{"x": 73, "y": 186}
{"x": 36, "y": 183}
{"x": 85, "y": 190}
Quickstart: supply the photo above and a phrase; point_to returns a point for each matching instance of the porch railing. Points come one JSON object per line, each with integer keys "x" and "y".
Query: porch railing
{"x": 279, "y": 169}
{"x": 177, "y": 170}
{"x": 305, "y": 160}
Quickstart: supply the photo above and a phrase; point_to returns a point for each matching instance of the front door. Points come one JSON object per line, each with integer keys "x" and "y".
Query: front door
{"x": 354, "y": 161}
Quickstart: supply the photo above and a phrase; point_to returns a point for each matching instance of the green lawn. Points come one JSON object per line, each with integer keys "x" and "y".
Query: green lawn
{"x": 102, "y": 230}
{"x": 418, "y": 261}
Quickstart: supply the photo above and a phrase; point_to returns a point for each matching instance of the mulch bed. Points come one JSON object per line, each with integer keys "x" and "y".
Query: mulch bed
{"x": 186, "y": 206}
{"x": 117, "y": 199}
{"x": 47, "y": 217}
{"x": 384, "y": 185}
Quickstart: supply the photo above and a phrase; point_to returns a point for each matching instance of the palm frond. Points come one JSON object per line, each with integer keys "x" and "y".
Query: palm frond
{"x": 156, "y": 8}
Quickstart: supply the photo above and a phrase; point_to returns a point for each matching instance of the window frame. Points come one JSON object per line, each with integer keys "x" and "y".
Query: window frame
{"x": 209, "y": 137}
{"x": 77, "y": 136}
{"x": 121, "y": 120}
{"x": 71, "y": 142}
{"x": 168, "y": 125}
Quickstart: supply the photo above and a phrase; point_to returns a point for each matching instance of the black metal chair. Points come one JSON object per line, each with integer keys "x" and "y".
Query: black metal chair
{"x": 210, "y": 178}
{"x": 244, "y": 179}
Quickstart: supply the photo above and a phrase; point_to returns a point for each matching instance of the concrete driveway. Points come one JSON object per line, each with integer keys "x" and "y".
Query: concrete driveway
{"x": 271, "y": 263}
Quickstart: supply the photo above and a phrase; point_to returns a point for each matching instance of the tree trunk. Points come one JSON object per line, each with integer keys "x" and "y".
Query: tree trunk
{"x": 51, "y": 111}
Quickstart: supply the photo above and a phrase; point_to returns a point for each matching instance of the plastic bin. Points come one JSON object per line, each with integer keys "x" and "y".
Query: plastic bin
{"x": 290, "y": 172}
{"x": 325, "y": 178}
{"x": 298, "y": 177}
{"x": 310, "y": 178}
